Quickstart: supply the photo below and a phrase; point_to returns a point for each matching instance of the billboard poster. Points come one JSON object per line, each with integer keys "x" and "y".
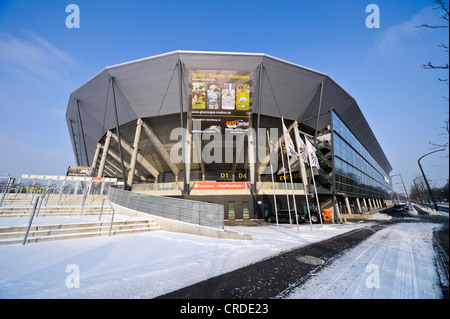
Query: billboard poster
{"x": 85, "y": 171}
{"x": 220, "y": 101}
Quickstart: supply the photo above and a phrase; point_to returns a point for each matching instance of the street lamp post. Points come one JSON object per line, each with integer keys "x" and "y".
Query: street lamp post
{"x": 406, "y": 192}
{"x": 426, "y": 181}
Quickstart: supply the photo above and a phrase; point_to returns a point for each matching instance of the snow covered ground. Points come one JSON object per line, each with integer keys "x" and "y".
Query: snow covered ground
{"x": 397, "y": 262}
{"x": 150, "y": 264}
{"x": 139, "y": 265}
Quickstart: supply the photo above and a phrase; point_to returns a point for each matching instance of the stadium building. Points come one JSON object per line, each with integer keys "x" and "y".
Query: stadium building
{"x": 196, "y": 125}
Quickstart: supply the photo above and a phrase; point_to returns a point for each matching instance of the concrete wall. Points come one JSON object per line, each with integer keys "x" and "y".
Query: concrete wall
{"x": 182, "y": 227}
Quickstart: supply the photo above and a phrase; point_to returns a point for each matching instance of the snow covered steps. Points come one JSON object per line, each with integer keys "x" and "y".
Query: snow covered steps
{"x": 53, "y": 199}
{"x": 15, "y": 235}
{"x": 18, "y": 211}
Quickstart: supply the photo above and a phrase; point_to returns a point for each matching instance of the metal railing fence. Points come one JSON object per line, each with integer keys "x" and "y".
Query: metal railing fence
{"x": 188, "y": 211}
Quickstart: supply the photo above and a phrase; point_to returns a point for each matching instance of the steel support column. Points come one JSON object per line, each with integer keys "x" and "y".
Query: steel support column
{"x": 184, "y": 151}
{"x": 359, "y": 205}
{"x": 159, "y": 147}
{"x": 104, "y": 154}
{"x": 124, "y": 174}
{"x": 347, "y": 203}
{"x": 82, "y": 132}
{"x": 255, "y": 164}
{"x": 145, "y": 164}
{"x": 137, "y": 137}
{"x": 318, "y": 115}
{"x": 96, "y": 155}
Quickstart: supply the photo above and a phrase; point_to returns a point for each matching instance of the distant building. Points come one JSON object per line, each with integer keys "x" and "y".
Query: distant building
{"x": 193, "y": 125}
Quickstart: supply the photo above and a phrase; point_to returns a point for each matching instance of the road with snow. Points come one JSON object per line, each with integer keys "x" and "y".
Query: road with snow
{"x": 275, "y": 275}
{"x": 395, "y": 258}
{"x": 407, "y": 259}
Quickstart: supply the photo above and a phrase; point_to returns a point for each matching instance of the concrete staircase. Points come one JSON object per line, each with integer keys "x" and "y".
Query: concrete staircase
{"x": 79, "y": 222}
{"x": 22, "y": 206}
{"x": 54, "y": 211}
{"x": 15, "y": 235}
{"x": 52, "y": 199}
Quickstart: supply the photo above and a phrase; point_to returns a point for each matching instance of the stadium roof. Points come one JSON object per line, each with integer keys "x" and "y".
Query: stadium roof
{"x": 150, "y": 87}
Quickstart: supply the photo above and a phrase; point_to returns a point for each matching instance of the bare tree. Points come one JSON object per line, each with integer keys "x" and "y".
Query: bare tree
{"x": 443, "y": 7}
{"x": 444, "y": 134}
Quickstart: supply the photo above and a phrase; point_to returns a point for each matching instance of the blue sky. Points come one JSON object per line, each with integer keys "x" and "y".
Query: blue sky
{"x": 42, "y": 62}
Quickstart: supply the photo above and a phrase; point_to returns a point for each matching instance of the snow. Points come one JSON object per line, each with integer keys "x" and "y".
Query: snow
{"x": 62, "y": 220}
{"x": 146, "y": 265}
{"x": 397, "y": 262}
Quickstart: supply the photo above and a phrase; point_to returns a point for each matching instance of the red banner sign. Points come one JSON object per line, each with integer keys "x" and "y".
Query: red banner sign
{"x": 219, "y": 185}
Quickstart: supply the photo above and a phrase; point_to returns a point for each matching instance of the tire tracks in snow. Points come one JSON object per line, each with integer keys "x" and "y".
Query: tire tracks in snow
{"x": 403, "y": 255}
{"x": 343, "y": 272}
{"x": 276, "y": 275}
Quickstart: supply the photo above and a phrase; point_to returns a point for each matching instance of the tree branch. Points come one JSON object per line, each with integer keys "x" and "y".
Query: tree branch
{"x": 431, "y": 66}
{"x": 426, "y": 25}
{"x": 441, "y": 6}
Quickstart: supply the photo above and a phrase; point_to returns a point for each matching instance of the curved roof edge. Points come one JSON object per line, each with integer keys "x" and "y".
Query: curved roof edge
{"x": 337, "y": 92}
{"x": 262, "y": 55}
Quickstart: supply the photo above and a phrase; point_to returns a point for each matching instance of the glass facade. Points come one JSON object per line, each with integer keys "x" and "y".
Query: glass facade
{"x": 231, "y": 213}
{"x": 356, "y": 171}
{"x": 246, "y": 210}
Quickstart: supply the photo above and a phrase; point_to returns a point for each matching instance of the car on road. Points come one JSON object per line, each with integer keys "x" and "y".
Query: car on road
{"x": 400, "y": 207}
{"x": 284, "y": 215}
{"x": 302, "y": 215}
{"x": 314, "y": 211}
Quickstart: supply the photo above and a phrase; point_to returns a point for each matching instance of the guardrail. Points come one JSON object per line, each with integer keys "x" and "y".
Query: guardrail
{"x": 30, "y": 221}
{"x": 173, "y": 186}
{"x": 188, "y": 211}
{"x": 279, "y": 186}
{"x": 178, "y": 186}
{"x": 3, "y": 195}
{"x": 113, "y": 213}
{"x": 443, "y": 207}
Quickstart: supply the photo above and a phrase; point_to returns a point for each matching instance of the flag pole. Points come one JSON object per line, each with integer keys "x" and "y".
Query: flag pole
{"x": 317, "y": 198}
{"x": 283, "y": 149}
{"x": 293, "y": 195}
{"x": 290, "y": 175}
{"x": 307, "y": 203}
{"x": 273, "y": 182}
{"x": 302, "y": 171}
{"x": 315, "y": 188}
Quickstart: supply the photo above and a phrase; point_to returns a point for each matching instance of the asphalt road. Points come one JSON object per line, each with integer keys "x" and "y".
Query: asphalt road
{"x": 270, "y": 277}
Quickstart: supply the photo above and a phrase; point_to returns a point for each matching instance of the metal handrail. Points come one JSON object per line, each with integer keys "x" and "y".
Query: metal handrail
{"x": 86, "y": 193}
{"x": 112, "y": 217}
{"x": 112, "y": 220}
{"x": 65, "y": 191}
{"x": 4, "y": 191}
{"x": 30, "y": 221}
{"x": 46, "y": 193}
{"x": 34, "y": 191}
{"x": 18, "y": 187}
{"x": 101, "y": 210}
